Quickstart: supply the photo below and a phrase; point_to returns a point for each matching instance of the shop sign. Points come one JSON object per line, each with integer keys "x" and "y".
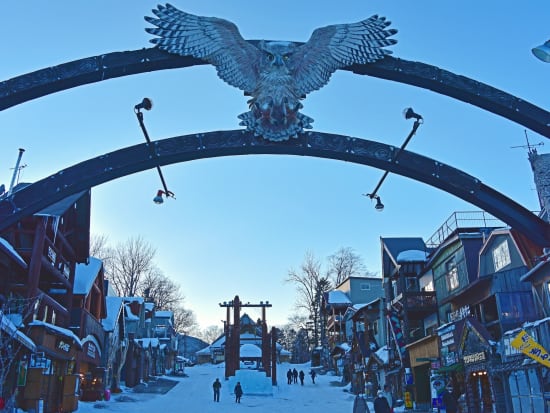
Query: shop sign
{"x": 475, "y": 357}
{"x": 446, "y": 330}
{"x": 63, "y": 346}
{"x": 91, "y": 350}
{"x": 525, "y": 343}
{"x": 459, "y": 314}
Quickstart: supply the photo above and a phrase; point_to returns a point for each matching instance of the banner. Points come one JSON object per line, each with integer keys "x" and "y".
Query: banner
{"x": 525, "y": 343}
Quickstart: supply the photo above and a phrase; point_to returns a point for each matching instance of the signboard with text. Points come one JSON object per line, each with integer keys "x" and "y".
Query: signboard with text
{"x": 525, "y": 343}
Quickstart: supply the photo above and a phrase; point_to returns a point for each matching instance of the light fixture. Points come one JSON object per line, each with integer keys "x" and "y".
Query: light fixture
{"x": 158, "y": 199}
{"x": 410, "y": 113}
{"x": 146, "y": 104}
{"x": 542, "y": 52}
{"x": 379, "y": 205}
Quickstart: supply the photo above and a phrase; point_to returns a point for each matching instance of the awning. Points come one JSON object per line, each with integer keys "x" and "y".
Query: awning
{"x": 11, "y": 330}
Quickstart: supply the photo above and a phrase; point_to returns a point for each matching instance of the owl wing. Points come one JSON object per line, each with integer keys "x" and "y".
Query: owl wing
{"x": 333, "y": 47}
{"x": 214, "y": 40}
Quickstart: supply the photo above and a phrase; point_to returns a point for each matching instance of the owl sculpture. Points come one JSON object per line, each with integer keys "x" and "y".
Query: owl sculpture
{"x": 276, "y": 74}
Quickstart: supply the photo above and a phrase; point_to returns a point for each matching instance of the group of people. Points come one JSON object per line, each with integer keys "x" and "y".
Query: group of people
{"x": 292, "y": 376}
{"x": 238, "y": 390}
{"x": 383, "y": 403}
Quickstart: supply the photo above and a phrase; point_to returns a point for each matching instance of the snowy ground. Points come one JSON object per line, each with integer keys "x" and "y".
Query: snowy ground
{"x": 194, "y": 394}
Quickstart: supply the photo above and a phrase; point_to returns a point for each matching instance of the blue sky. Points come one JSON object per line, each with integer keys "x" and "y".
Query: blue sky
{"x": 240, "y": 223}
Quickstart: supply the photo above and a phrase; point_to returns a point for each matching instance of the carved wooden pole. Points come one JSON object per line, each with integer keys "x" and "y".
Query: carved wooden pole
{"x": 236, "y": 342}
{"x": 273, "y": 356}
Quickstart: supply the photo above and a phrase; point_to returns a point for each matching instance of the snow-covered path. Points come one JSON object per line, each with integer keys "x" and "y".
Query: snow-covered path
{"x": 194, "y": 394}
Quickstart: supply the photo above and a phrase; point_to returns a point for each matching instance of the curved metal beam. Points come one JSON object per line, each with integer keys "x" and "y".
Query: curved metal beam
{"x": 111, "y": 65}
{"x": 138, "y": 158}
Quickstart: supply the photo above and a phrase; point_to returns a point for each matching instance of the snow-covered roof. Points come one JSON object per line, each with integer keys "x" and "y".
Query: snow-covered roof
{"x": 11, "y": 330}
{"x": 113, "y": 309}
{"x": 129, "y": 315}
{"x": 93, "y": 340}
{"x": 8, "y": 248}
{"x": 338, "y": 297}
{"x": 85, "y": 275}
{"x": 412, "y": 256}
{"x": 164, "y": 314}
{"x": 60, "y": 330}
{"x": 250, "y": 350}
{"x": 59, "y": 208}
{"x": 149, "y": 306}
{"x": 205, "y": 350}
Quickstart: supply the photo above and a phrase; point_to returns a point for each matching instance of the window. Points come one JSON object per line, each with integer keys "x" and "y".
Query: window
{"x": 452, "y": 274}
{"x": 501, "y": 255}
{"x": 365, "y": 287}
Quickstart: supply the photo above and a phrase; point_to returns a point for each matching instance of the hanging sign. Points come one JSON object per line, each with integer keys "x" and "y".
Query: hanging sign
{"x": 525, "y": 343}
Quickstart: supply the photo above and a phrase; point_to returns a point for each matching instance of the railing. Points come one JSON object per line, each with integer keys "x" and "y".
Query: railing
{"x": 463, "y": 219}
{"x": 425, "y": 300}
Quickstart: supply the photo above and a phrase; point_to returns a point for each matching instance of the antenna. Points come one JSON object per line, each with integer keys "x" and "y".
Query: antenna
{"x": 16, "y": 169}
{"x": 528, "y": 146}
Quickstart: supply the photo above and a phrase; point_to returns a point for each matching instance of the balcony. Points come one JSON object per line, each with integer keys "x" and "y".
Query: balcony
{"x": 417, "y": 304}
{"x": 84, "y": 324}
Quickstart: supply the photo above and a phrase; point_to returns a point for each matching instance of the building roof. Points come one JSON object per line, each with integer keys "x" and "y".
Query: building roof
{"x": 85, "y": 275}
{"x": 8, "y": 249}
{"x": 250, "y": 351}
{"x": 337, "y": 297}
{"x": 114, "y": 305}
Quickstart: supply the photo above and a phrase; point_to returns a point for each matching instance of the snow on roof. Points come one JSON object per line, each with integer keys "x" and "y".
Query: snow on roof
{"x": 6, "y": 246}
{"x": 164, "y": 314}
{"x": 132, "y": 299}
{"x": 92, "y": 339}
{"x": 113, "y": 310}
{"x": 412, "y": 256}
{"x": 7, "y": 325}
{"x": 60, "y": 330}
{"x": 285, "y": 352}
{"x": 205, "y": 350}
{"x": 85, "y": 275}
{"x": 149, "y": 306}
{"x": 129, "y": 315}
{"x": 338, "y": 297}
{"x": 250, "y": 350}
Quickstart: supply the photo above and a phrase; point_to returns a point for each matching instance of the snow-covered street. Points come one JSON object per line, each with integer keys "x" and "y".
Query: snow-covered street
{"x": 194, "y": 394}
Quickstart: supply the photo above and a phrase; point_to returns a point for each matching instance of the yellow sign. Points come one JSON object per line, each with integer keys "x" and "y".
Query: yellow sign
{"x": 525, "y": 343}
{"x": 408, "y": 400}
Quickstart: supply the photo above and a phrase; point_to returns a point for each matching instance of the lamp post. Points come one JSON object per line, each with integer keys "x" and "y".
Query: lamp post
{"x": 408, "y": 113}
{"x": 542, "y": 52}
{"x": 147, "y": 104}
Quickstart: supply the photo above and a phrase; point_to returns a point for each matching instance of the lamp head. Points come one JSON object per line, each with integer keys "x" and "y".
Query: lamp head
{"x": 379, "y": 205}
{"x": 410, "y": 113}
{"x": 146, "y": 104}
{"x": 158, "y": 198}
{"x": 542, "y": 52}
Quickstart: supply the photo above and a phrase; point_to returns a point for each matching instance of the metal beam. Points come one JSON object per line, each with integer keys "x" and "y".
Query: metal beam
{"x": 117, "y": 64}
{"x": 130, "y": 160}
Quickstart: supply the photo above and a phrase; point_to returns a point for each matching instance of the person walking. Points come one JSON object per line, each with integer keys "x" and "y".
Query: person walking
{"x": 295, "y": 375}
{"x": 238, "y": 392}
{"x": 381, "y": 403}
{"x": 313, "y": 374}
{"x": 217, "y": 386}
{"x": 289, "y": 376}
{"x": 302, "y": 375}
{"x": 388, "y": 396}
{"x": 449, "y": 401}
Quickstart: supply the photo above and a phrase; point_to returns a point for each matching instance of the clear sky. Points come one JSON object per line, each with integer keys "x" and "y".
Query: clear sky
{"x": 240, "y": 223}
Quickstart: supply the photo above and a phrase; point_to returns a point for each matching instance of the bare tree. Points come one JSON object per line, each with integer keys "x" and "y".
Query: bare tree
{"x": 13, "y": 313}
{"x": 211, "y": 334}
{"x": 164, "y": 292}
{"x": 343, "y": 264}
{"x": 310, "y": 286}
{"x": 185, "y": 321}
{"x": 132, "y": 261}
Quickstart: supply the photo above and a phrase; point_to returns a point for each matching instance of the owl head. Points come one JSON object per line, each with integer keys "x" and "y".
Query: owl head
{"x": 276, "y": 54}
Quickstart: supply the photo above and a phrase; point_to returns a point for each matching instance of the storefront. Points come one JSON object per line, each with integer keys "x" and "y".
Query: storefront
{"x": 424, "y": 356}
{"x": 92, "y": 375}
{"x": 51, "y": 382}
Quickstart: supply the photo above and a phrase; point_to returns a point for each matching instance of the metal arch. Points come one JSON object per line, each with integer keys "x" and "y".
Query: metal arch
{"x": 111, "y": 65}
{"x": 126, "y": 161}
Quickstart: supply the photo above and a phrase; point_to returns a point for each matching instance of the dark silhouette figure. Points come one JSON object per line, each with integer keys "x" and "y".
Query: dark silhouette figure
{"x": 238, "y": 392}
{"x": 217, "y": 386}
{"x": 302, "y": 375}
{"x": 450, "y": 401}
{"x": 313, "y": 374}
{"x": 295, "y": 375}
{"x": 381, "y": 404}
{"x": 289, "y": 376}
